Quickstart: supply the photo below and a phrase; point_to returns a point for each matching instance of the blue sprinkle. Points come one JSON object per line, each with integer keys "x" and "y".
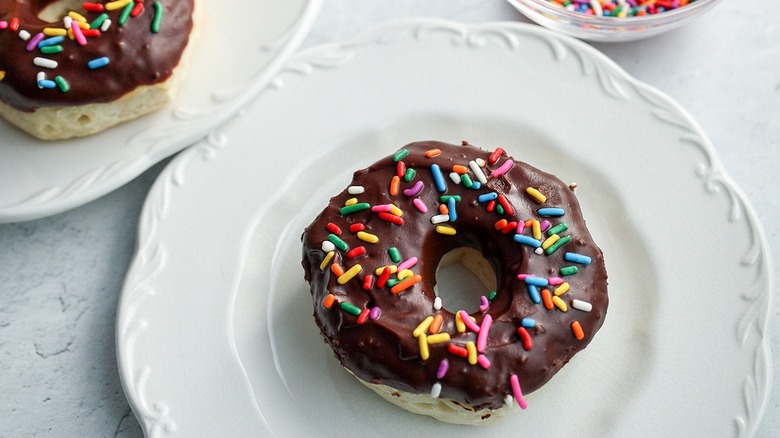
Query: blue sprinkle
{"x": 98, "y": 62}
{"x": 537, "y": 281}
{"x": 476, "y": 185}
{"x": 485, "y": 197}
{"x": 451, "y": 209}
{"x": 551, "y": 211}
{"x": 577, "y": 258}
{"x": 534, "y": 293}
{"x": 50, "y": 41}
{"x": 438, "y": 178}
{"x": 47, "y": 83}
{"x": 528, "y": 322}
{"x": 527, "y": 240}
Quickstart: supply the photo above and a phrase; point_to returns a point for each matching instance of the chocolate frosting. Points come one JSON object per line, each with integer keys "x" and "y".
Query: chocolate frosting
{"x": 384, "y": 350}
{"x": 137, "y": 55}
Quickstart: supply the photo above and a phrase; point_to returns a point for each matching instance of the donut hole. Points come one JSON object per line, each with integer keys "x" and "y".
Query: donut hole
{"x": 56, "y": 10}
{"x": 462, "y": 276}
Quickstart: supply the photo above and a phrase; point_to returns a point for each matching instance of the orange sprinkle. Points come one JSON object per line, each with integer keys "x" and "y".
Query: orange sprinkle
{"x": 436, "y": 324}
{"x": 547, "y": 299}
{"x": 576, "y": 328}
{"x": 500, "y": 224}
{"x": 443, "y": 209}
{"x": 460, "y": 169}
{"x": 406, "y": 284}
{"x": 328, "y": 301}
{"x": 529, "y": 223}
{"x": 395, "y": 185}
{"x": 432, "y": 153}
{"x": 337, "y": 269}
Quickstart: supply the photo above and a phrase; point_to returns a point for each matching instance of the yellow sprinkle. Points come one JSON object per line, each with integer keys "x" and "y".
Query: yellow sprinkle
{"x": 422, "y": 327}
{"x": 350, "y": 274}
{"x": 83, "y": 25}
{"x": 438, "y": 338}
{"x": 537, "y": 230}
{"x": 560, "y": 290}
{"x": 459, "y": 325}
{"x": 443, "y": 229}
{"x": 327, "y": 260}
{"x": 394, "y": 210}
{"x": 472, "y": 349}
{"x": 118, "y": 4}
{"x": 54, "y": 31}
{"x": 379, "y": 270}
{"x": 368, "y": 237}
{"x": 404, "y": 274}
{"x": 560, "y": 304}
{"x": 2, "y": 75}
{"x": 76, "y": 16}
{"x": 537, "y": 195}
{"x": 351, "y": 201}
{"x": 422, "y": 341}
{"x": 550, "y": 240}
{"x": 70, "y": 34}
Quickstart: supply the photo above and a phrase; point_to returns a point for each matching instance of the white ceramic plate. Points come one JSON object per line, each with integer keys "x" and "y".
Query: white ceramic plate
{"x": 214, "y": 331}
{"x": 240, "y": 48}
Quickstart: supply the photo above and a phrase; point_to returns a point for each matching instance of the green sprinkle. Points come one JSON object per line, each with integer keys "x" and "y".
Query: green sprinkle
{"x": 446, "y": 198}
{"x": 558, "y": 229}
{"x": 500, "y": 209}
{"x": 158, "y": 15}
{"x": 351, "y": 309}
{"x": 568, "y": 270}
{"x": 409, "y": 175}
{"x": 125, "y": 15}
{"x": 395, "y": 256}
{"x": 62, "y": 83}
{"x": 340, "y": 244}
{"x": 392, "y": 282}
{"x": 562, "y": 241}
{"x": 49, "y": 50}
{"x": 466, "y": 180}
{"x": 349, "y": 209}
{"x": 492, "y": 295}
{"x": 400, "y": 155}
{"x": 98, "y": 21}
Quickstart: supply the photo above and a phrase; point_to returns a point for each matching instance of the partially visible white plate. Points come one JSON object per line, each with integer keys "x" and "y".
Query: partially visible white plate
{"x": 214, "y": 330}
{"x": 240, "y": 48}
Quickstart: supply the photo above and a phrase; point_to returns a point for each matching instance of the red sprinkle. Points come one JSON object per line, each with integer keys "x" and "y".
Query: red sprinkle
{"x": 368, "y": 282}
{"x": 137, "y": 9}
{"x": 356, "y": 252}
{"x": 92, "y": 7}
{"x": 363, "y": 317}
{"x": 333, "y": 228}
{"x": 491, "y": 206}
{"x": 400, "y": 169}
{"x": 90, "y": 32}
{"x": 526, "y": 338}
{"x": 457, "y": 350}
{"x": 385, "y": 216}
{"x": 14, "y": 24}
{"x": 383, "y": 277}
{"x": 354, "y": 228}
{"x": 505, "y": 203}
{"x": 510, "y": 227}
{"x": 498, "y": 153}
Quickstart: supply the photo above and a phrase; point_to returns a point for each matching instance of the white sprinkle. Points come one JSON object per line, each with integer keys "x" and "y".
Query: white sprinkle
{"x": 23, "y": 34}
{"x": 538, "y": 250}
{"x": 582, "y": 305}
{"x": 106, "y": 24}
{"x": 596, "y": 7}
{"x": 66, "y": 21}
{"x": 436, "y": 390}
{"x": 481, "y": 162}
{"x": 509, "y": 401}
{"x": 437, "y": 303}
{"x": 478, "y": 172}
{"x": 44, "y": 62}
{"x": 41, "y": 76}
{"x": 328, "y": 246}
{"x": 440, "y": 218}
{"x": 455, "y": 177}
{"x": 356, "y": 190}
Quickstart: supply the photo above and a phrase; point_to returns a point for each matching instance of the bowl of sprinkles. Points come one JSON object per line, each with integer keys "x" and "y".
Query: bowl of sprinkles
{"x": 612, "y": 20}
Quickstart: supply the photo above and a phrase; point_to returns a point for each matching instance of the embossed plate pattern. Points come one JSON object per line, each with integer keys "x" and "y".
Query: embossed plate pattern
{"x": 38, "y": 178}
{"x": 214, "y": 330}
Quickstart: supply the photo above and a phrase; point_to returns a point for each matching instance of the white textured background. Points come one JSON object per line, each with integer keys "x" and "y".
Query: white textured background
{"x": 60, "y": 277}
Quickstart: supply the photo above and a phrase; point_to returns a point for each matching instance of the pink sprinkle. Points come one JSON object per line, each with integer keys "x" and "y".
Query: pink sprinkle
{"x": 487, "y": 321}
{"x": 545, "y": 225}
{"x": 3, "y": 25}
{"x": 485, "y": 303}
{"x": 415, "y": 189}
{"x": 420, "y": 205}
{"x": 374, "y": 313}
{"x": 520, "y": 227}
{"x": 471, "y": 325}
{"x": 80, "y": 38}
{"x": 382, "y": 207}
{"x": 444, "y": 365}
{"x": 483, "y": 361}
{"x": 503, "y": 169}
{"x": 555, "y": 281}
{"x": 408, "y": 263}
{"x": 523, "y": 276}
{"x": 33, "y": 43}
{"x": 517, "y": 391}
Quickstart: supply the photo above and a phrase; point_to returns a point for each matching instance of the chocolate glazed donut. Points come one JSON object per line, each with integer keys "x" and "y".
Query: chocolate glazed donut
{"x": 551, "y": 295}
{"x": 137, "y": 52}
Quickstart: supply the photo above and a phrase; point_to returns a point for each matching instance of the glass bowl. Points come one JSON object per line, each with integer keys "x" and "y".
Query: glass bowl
{"x": 609, "y": 29}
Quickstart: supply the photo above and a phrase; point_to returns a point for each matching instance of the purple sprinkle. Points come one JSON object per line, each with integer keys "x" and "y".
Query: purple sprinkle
{"x": 444, "y": 365}
{"x": 374, "y": 313}
{"x": 415, "y": 189}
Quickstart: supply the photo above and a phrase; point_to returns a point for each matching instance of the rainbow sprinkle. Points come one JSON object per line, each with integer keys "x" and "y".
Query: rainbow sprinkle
{"x": 620, "y": 8}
